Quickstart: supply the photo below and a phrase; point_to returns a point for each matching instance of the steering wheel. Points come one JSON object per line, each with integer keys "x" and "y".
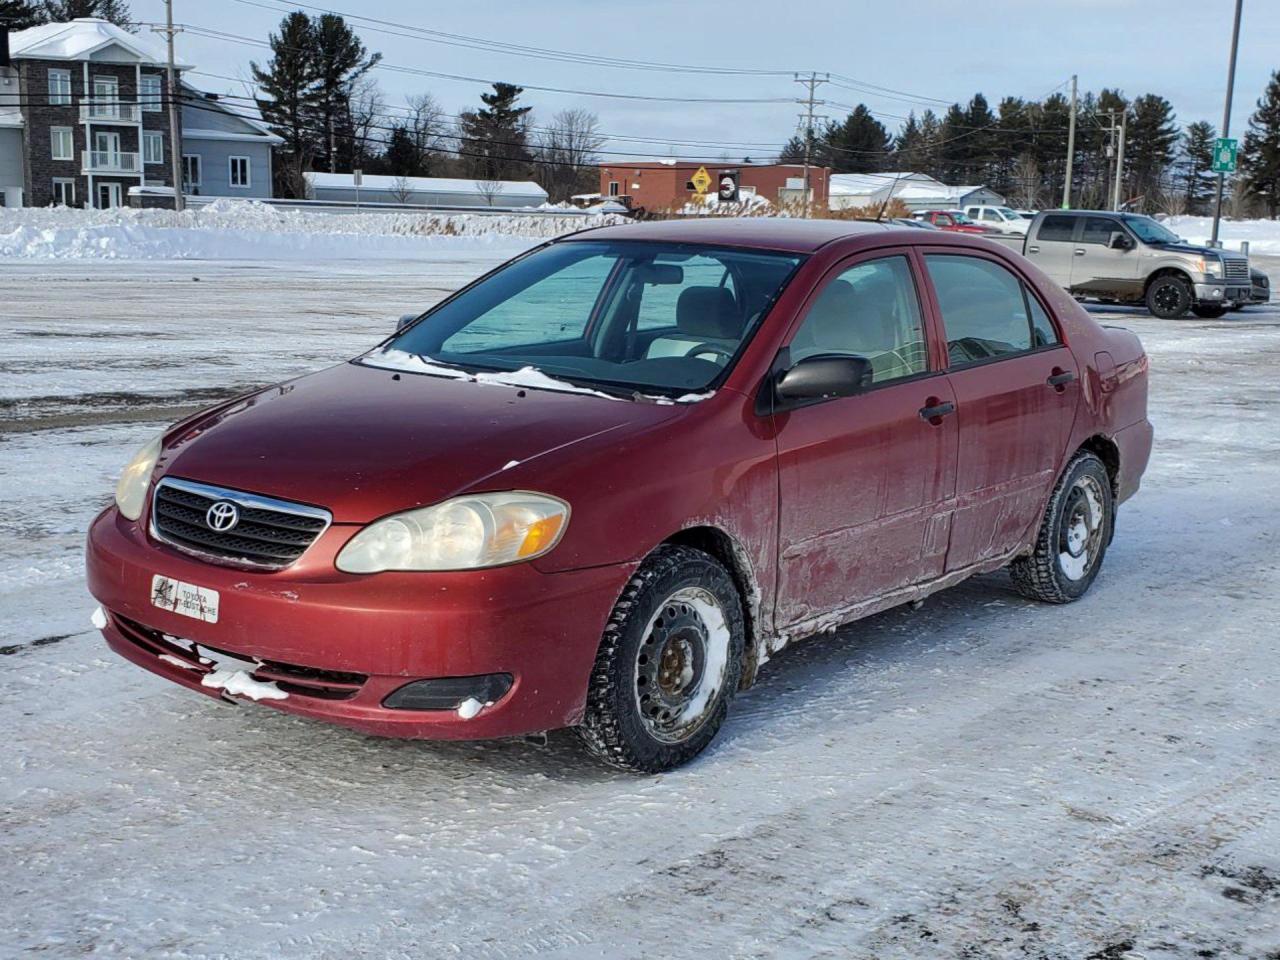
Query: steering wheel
{"x": 711, "y": 348}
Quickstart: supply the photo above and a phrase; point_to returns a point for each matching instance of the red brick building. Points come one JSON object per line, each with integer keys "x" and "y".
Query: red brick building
{"x": 665, "y": 184}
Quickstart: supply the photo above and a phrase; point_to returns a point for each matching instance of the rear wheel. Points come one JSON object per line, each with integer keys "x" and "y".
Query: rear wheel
{"x": 668, "y": 664}
{"x": 1208, "y": 311}
{"x": 1073, "y": 535}
{"x": 1169, "y": 297}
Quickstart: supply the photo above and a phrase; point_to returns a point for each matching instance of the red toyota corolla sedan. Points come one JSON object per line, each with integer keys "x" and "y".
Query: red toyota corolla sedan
{"x": 600, "y": 486}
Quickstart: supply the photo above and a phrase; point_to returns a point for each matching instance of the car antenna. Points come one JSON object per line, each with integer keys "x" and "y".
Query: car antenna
{"x": 885, "y": 205}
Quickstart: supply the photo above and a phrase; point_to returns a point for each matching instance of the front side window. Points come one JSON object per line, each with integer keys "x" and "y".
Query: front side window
{"x": 152, "y": 147}
{"x": 984, "y": 308}
{"x": 1149, "y": 231}
{"x": 59, "y": 87}
{"x": 1057, "y": 227}
{"x": 149, "y": 92}
{"x": 61, "y": 142}
{"x": 869, "y": 310}
{"x": 1098, "y": 230}
{"x": 239, "y": 172}
{"x": 626, "y": 316}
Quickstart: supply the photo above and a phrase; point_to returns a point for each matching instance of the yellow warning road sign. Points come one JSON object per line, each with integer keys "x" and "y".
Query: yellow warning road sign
{"x": 701, "y": 180}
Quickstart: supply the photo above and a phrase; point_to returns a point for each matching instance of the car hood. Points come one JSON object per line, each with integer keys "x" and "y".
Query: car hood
{"x": 365, "y": 442}
{"x": 1190, "y": 249}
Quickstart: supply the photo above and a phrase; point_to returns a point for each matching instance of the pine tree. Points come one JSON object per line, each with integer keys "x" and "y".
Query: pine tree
{"x": 930, "y": 132}
{"x": 292, "y": 92}
{"x": 1149, "y": 146}
{"x": 1009, "y": 143}
{"x": 952, "y": 157}
{"x": 21, "y": 14}
{"x": 975, "y": 148}
{"x": 493, "y": 141}
{"x": 1197, "y": 144}
{"x": 340, "y": 59}
{"x": 907, "y": 146}
{"x": 857, "y": 145}
{"x": 117, "y": 11}
{"x": 793, "y": 150}
{"x": 402, "y": 158}
{"x": 1260, "y": 160}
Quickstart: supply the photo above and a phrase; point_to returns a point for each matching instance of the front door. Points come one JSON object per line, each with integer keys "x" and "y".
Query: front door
{"x": 1097, "y": 268}
{"x": 1016, "y": 388}
{"x": 862, "y": 477}
{"x": 108, "y": 196}
{"x": 106, "y": 151}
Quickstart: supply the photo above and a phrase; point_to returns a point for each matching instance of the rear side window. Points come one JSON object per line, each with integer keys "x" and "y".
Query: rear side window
{"x": 985, "y": 309}
{"x": 1098, "y": 230}
{"x": 1042, "y": 332}
{"x": 1056, "y": 228}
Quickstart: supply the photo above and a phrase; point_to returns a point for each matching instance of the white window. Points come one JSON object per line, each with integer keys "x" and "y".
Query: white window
{"x": 191, "y": 169}
{"x": 64, "y": 192}
{"x": 61, "y": 140}
{"x": 152, "y": 147}
{"x": 613, "y": 188}
{"x": 59, "y": 87}
{"x": 149, "y": 92}
{"x": 239, "y": 172}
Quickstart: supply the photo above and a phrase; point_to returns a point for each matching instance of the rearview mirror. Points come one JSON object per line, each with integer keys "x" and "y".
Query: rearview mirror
{"x": 824, "y": 376}
{"x": 405, "y": 320}
{"x": 661, "y": 274}
{"x": 1119, "y": 241}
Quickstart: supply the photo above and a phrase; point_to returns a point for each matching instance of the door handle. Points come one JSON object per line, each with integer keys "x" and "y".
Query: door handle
{"x": 1060, "y": 378}
{"x": 1079, "y": 252}
{"x": 1033, "y": 249}
{"x": 934, "y": 410}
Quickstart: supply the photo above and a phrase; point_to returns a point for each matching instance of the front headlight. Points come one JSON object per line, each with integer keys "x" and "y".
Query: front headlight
{"x": 1211, "y": 267}
{"x": 131, "y": 490}
{"x": 466, "y": 533}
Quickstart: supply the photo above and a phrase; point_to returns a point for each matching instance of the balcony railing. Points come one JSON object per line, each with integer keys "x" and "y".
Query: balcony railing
{"x": 110, "y": 161}
{"x": 108, "y": 111}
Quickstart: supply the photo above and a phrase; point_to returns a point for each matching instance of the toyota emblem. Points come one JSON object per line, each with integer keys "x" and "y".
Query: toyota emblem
{"x": 222, "y": 516}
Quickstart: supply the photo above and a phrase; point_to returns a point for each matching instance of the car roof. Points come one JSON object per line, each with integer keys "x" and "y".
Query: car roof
{"x": 785, "y": 234}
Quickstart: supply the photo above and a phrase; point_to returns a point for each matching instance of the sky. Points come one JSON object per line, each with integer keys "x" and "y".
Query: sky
{"x": 924, "y": 51}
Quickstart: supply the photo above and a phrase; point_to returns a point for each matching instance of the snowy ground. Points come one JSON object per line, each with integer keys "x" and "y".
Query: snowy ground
{"x": 982, "y": 778}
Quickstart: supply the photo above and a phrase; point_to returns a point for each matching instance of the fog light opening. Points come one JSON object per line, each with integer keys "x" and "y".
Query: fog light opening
{"x": 449, "y": 693}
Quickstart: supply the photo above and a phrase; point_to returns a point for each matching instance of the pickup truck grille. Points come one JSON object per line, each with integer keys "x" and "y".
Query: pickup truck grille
{"x": 266, "y": 533}
{"x": 1235, "y": 269}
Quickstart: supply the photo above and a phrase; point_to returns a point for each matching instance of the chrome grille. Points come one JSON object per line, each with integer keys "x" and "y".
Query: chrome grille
{"x": 1235, "y": 269}
{"x": 269, "y": 533}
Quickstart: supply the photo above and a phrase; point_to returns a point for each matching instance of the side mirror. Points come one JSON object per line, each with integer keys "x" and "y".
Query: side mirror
{"x": 1119, "y": 241}
{"x": 405, "y": 320}
{"x": 824, "y": 376}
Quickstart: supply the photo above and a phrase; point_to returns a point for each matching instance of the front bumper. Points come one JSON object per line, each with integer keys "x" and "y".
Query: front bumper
{"x": 388, "y": 629}
{"x": 1224, "y": 294}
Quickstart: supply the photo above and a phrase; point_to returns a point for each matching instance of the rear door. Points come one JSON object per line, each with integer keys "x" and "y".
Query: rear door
{"x": 1052, "y": 246}
{"x": 1016, "y": 387}
{"x": 863, "y": 479}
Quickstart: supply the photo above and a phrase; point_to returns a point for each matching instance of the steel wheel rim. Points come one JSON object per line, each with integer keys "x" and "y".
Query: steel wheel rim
{"x": 1081, "y": 529}
{"x": 680, "y": 665}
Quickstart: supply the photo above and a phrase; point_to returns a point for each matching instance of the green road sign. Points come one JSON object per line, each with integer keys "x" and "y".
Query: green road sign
{"x": 1224, "y": 155}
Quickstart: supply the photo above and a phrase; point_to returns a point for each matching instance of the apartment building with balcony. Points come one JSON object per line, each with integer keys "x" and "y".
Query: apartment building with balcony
{"x": 84, "y": 121}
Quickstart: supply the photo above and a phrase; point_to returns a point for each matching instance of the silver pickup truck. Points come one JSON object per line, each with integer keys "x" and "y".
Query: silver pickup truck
{"x": 1129, "y": 258}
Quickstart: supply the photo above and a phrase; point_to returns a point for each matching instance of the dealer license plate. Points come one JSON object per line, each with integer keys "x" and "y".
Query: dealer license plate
{"x": 199, "y": 603}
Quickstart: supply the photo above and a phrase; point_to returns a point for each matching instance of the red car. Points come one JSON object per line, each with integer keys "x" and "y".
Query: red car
{"x": 603, "y": 484}
{"x": 953, "y": 221}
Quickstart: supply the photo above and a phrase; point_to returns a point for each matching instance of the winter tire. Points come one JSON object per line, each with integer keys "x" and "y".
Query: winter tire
{"x": 1169, "y": 297}
{"x": 1209, "y": 311}
{"x": 1073, "y": 536}
{"x": 668, "y": 665}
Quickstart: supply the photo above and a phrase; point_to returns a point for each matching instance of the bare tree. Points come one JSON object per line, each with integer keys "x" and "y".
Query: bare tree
{"x": 489, "y": 190}
{"x": 1239, "y": 204}
{"x": 429, "y": 129}
{"x": 402, "y": 190}
{"x": 567, "y": 153}
{"x": 365, "y": 109}
{"x": 1027, "y": 175}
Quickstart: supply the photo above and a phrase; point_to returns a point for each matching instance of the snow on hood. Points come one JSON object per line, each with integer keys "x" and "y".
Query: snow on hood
{"x": 389, "y": 358}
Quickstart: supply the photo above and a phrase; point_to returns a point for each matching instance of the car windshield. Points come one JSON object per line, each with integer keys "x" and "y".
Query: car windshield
{"x": 960, "y": 218}
{"x": 635, "y": 316}
{"x": 1006, "y": 213}
{"x": 1150, "y": 231}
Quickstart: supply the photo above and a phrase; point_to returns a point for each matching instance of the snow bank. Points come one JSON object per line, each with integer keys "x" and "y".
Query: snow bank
{"x": 1263, "y": 235}
{"x": 246, "y": 230}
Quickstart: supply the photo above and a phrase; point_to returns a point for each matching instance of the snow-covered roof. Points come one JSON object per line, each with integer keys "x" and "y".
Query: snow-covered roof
{"x": 346, "y": 181}
{"x": 939, "y": 193}
{"x": 203, "y": 101}
{"x": 858, "y": 184}
{"x": 81, "y": 39}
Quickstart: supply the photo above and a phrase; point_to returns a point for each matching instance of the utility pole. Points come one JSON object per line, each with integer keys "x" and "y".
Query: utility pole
{"x": 811, "y": 83}
{"x": 1115, "y": 190}
{"x": 175, "y": 129}
{"x": 1071, "y": 148}
{"x": 1111, "y": 130}
{"x": 1226, "y": 118}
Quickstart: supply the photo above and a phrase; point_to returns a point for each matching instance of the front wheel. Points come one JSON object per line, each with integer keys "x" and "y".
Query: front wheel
{"x": 668, "y": 665}
{"x": 1209, "y": 311}
{"x": 1073, "y": 535}
{"x": 1169, "y": 297}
